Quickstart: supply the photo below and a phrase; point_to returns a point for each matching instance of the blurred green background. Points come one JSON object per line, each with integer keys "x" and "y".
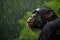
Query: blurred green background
{"x": 13, "y": 16}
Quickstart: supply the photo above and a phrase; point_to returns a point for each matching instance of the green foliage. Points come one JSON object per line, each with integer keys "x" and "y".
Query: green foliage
{"x": 9, "y": 15}
{"x": 24, "y": 19}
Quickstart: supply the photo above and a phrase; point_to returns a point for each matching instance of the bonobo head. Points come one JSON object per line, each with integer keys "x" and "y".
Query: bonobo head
{"x": 40, "y": 17}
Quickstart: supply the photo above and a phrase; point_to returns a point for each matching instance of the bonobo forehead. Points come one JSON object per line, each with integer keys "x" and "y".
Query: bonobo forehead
{"x": 42, "y": 10}
{"x": 36, "y": 10}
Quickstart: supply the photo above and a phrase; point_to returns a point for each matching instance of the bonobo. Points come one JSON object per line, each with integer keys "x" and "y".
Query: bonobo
{"x": 40, "y": 17}
{"x": 51, "y": 30}
{"x": 44, "y": 18}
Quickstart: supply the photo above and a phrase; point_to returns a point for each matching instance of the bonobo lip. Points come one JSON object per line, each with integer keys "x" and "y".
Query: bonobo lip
{"x": 30, "y": 23}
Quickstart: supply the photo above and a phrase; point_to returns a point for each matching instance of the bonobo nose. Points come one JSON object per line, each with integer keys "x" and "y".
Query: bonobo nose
{"x": 30, "y": 21}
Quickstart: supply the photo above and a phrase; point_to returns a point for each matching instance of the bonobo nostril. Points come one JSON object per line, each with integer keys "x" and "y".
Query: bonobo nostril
{"x": 30, "y": 20}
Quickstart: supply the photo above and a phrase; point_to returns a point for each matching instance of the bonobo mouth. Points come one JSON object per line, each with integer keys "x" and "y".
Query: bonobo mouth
{"x": 30, "y": 23}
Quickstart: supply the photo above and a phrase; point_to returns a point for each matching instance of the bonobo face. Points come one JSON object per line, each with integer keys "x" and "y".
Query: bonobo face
{"x": 34, "y": 21}
{"x": 40, "y": 17}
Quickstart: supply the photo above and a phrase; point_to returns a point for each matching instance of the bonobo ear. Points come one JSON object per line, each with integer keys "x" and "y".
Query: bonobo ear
{"x": 48, "y": 14}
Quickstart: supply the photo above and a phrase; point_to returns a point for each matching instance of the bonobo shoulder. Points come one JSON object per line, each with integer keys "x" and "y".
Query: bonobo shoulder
{"x": 53, "y": 23}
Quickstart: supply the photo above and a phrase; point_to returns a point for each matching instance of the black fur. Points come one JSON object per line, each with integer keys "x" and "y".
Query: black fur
{"x": 51, "y": 31}
{"x": 49, "y": 27}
